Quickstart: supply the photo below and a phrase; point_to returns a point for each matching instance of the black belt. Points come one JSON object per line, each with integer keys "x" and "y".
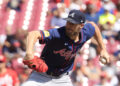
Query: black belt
{"x": 57, "y": 75}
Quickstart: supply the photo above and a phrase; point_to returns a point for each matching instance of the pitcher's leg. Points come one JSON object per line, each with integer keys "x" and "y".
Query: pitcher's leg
{"x": 37, "y": 79}
{"x": 63, "y": 81}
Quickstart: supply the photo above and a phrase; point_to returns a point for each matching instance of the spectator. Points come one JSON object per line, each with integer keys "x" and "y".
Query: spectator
{"x": 117, "y": 23}
{"x": 8, "y": 77}
{"x": 108, "y": 3}
{"x": 111, "y": 78}
{"x": 91, "y": 13}
{"x": 118, "y": 75}
{"x": 97, "y": 3}
{"x": 10, "y": 42}
{"x": 118, "y": 10}
{"x": 78, "y": 78}
{"x": 63, "y": 10}
{"x": 14, "y": 44}
{"x": 75, "y": 5}
{"x": 118, "y": 37}
{"x": 92, "y": 72}
{"x": 14, "y": 4}
{"x": 57, "y": 21}
{"x": 10, "y": 46}
{"x": 107, "y": 17}
{"x": 112, "y": 45}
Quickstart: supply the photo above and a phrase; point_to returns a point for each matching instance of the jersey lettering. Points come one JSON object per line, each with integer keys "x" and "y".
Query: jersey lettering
{"x": 67, "y": 54}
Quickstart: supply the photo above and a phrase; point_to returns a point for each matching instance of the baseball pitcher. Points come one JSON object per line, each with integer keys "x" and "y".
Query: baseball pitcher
{"x": 53, "y": 67}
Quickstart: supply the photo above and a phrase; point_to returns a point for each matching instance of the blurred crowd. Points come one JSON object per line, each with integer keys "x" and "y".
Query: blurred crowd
{"x": 87, "y": 69}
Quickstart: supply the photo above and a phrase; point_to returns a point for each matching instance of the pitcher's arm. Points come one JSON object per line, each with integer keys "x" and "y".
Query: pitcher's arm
{"x": 30, "y": 42}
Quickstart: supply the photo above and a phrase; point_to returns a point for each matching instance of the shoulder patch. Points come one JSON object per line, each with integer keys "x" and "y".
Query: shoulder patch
{"x": 47, "y": 33}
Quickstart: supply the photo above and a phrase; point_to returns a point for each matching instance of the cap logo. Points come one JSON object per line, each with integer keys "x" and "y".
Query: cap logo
{"x": 72, "y": 14}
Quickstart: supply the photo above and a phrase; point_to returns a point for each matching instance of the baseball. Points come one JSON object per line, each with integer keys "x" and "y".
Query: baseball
{"x": 103, "y": 60}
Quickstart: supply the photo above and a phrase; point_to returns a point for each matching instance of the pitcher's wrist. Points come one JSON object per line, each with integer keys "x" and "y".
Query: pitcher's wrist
{"x": 29, "y": 56}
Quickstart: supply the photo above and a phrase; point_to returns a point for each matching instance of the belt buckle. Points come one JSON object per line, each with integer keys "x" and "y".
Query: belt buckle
{"x": 51, "y": 74}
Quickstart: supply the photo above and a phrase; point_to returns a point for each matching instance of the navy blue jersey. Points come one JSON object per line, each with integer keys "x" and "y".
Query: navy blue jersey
{"x": 60, "y": 51}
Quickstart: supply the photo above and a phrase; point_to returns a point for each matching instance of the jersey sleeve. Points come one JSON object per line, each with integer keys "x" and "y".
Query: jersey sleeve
{"x": 90, "y": 31}
{"x": 48, "y": 35}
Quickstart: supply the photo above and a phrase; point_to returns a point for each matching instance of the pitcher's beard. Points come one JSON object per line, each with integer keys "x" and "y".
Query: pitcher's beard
{"x": 72, "y": 35}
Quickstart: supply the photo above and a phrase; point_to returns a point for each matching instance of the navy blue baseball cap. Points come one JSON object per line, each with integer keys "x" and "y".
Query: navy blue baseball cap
{"x": 76, "y": 17}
